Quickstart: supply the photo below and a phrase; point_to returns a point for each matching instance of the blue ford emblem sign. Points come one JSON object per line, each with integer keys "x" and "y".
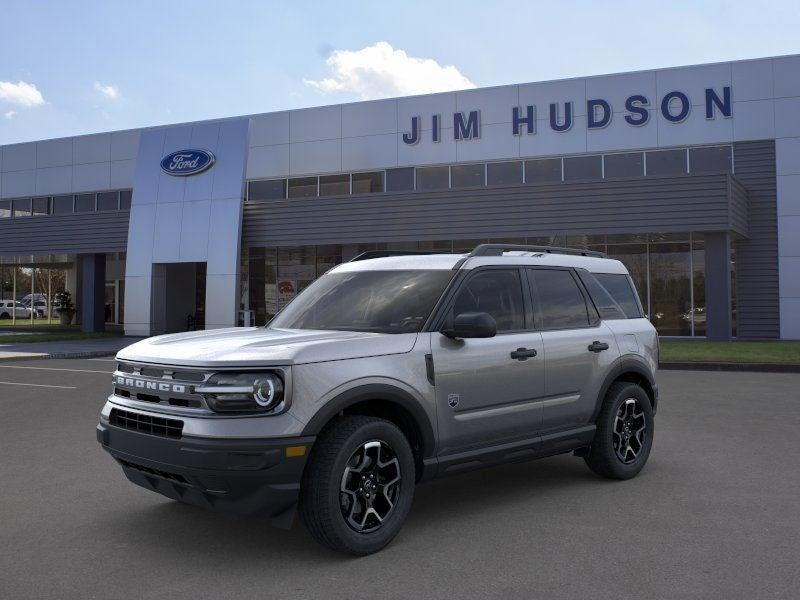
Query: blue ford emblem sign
{"x": 187, "y": 162}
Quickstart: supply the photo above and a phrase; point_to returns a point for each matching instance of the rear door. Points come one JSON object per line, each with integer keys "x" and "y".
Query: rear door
{"x": 578, "y": 347}
{"x": 489, "y": 390}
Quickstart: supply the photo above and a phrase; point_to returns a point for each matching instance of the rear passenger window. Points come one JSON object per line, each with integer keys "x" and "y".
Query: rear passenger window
{"x": 605, "y": 304}
{"x": 621, "y": 289}
{"x": 560, "y": 301}
{"x": 497, "y": 292}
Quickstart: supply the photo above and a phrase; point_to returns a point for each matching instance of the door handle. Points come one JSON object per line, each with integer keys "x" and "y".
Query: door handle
{"x": 596, "y": 346}
{"x": 523, "y": 353}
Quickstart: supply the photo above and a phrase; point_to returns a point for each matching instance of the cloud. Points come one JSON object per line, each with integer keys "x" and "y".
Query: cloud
{"x": 20, "y": 93}
{"x": 109, "y": 91}
{"x": 10, "y": 114}
{"x": 380, "y": 71}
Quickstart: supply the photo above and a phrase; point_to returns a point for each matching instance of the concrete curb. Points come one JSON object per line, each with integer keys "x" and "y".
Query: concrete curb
{"x": 724, "y": 366}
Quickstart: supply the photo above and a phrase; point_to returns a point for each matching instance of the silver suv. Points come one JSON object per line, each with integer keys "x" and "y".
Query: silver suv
{"x": 389, "y": 370}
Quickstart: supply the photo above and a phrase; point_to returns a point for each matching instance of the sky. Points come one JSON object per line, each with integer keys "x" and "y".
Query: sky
{"x": 85, "y": 66}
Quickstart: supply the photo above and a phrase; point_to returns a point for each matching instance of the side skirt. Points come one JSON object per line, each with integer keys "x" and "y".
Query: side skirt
{"x": 516, "y": 451}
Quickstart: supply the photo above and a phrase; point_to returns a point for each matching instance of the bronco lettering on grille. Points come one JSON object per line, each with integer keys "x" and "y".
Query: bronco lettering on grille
{"x": 175, "y": 388}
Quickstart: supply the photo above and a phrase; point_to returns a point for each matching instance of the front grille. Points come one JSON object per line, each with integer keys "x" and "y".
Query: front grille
{"x": 160, "y": 385}
{"x": 170, "y": 428}
{"x": 157, "y": 472}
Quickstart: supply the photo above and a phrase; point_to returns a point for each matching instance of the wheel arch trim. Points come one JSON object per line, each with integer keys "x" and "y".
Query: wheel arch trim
{"x": 375, "y": 392}
{"x": 620, "y": 368}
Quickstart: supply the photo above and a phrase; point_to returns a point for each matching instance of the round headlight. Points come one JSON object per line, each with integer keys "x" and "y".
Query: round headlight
{"x": 267, "y": 391}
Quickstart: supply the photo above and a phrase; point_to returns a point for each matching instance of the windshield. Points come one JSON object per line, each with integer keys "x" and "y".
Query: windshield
{"x": 374, "y": 301}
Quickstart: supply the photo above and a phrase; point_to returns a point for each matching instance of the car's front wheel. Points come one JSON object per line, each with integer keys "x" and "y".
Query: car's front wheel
{"x": 624, "y": 434}
{"x": 358, "y": 486}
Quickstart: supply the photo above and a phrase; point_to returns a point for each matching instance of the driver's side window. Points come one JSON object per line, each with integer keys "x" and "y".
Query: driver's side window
{"x": 494, "y": 291}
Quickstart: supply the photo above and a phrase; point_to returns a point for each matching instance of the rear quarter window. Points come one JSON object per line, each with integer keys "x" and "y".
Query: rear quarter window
{"x": 620, "y": 288}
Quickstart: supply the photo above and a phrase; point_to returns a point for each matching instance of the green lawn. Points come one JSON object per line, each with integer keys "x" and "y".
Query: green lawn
{"x": 734, "y": 352}
{"x": 53, "y": 336}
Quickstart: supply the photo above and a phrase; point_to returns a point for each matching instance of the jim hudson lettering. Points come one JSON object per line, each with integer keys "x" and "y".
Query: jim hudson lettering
{"x": 674, "y": 107}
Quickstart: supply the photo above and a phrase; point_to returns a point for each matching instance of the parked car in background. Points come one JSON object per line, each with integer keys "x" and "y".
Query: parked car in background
{"x": 39, "y": 305}
{"x": 14, "y": 308}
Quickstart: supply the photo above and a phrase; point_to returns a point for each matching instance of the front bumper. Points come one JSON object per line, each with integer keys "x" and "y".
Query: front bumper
{"x": 244, "y": 476}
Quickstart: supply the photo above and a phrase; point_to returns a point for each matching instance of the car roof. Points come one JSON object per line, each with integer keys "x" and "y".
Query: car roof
{"x": 593, "y": 264}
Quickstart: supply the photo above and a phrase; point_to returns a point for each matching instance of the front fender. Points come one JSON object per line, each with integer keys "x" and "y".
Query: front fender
{"x": 394, "y": 392}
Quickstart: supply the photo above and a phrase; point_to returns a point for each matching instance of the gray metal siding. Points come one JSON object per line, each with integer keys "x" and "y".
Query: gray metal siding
{"x": 641, "y": 205}
{"x": 57, "y": 234}
{"x": 758, "y": 310}
{"x": 739, "y": 207}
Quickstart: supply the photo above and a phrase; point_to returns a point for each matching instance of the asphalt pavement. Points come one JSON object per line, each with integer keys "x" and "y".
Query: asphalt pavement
{"x": 715, "y": 513}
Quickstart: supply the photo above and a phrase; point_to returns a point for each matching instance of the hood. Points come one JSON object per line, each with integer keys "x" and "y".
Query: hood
{"x": 258, "y": 346}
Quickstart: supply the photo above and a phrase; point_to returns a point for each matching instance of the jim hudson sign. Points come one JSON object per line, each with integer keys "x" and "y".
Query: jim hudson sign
{"x": 674, "y": 106}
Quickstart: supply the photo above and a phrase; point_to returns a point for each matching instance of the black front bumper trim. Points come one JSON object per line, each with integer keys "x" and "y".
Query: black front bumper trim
{"x": 248, "y": 477}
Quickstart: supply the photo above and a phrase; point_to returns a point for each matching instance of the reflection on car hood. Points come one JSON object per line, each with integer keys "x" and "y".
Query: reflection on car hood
{"x": 256, "y": 346}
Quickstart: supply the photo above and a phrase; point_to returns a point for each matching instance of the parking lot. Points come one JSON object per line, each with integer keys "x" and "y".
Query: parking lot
{"x": 715, "y": 514}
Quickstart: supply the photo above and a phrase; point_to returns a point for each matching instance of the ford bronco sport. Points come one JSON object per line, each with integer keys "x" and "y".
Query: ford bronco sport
{"x": 389, "y": 370}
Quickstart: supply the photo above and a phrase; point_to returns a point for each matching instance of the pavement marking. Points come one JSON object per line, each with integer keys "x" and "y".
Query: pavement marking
{"x": 55, "y": 369}
{"x": 62, "y": 387}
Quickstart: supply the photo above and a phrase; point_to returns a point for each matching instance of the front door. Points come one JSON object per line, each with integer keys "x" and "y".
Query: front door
{"x": 485, "y": 395}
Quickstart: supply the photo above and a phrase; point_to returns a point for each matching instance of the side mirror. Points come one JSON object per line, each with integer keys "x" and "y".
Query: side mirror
{"x": 472, "y": 325}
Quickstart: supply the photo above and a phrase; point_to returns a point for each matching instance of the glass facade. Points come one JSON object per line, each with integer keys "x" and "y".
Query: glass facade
{"x": 668, "y": 270}
{"x": 45, "y": 290}
{"x": 42, "y": 289}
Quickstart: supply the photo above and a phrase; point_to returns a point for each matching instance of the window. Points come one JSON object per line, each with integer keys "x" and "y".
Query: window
{"x": 303, "y": 187}
{"x": 367, "y": 183}
{"x": 504, "y": 173}
{"x": 560, "y": 301}
{"x": 400, "y": 180}
{"x": 108, "y": 201}
{"x": 5, "y": 209}
{"x": 543, "y": 171}
{"x": 22, "y": 207}
{"x": 84, "y": 202}
{"x": 357, "y": 301}
{"x": 433, "y": 178}
{"x": 334, "y": 185}
{"x": 494, "y": 291}
{"x": 666, "y": 162}
{"x": 272, "y": 189}
{"x": 468, "y": 175}
{"x": 605, "y": 304}
{"x": 620, "y": 288}
{"x": 41, "y": 206}
{"x": 630, "y": 164}
{"x": 125, "y": 199}
{"x": 62, "y": 205}
{"x": 579, "y": 168}
{"x": 714, "y": 159}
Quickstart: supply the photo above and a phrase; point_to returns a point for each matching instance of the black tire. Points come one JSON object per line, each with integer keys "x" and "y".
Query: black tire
{"x": 603, "y": 456}
{"x": 322, "y": 502}
{"x": 5, "y": 315}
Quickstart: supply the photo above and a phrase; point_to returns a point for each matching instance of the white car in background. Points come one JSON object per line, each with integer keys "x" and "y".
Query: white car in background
{"x": 14, "y": 308}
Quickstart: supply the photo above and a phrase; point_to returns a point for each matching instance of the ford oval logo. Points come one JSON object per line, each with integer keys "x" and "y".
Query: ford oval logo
{"x": 187, "y": 162}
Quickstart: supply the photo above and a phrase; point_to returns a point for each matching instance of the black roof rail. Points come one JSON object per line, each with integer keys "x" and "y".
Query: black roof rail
{"x": 499, "y": 249}
{"x": 385, "y": 253}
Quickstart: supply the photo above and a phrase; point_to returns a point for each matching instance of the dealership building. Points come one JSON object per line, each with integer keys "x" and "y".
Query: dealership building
{"x": 688, "y": 175}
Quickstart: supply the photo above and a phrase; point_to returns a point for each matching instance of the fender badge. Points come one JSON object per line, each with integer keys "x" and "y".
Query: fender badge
{"x": 452, "y": 400}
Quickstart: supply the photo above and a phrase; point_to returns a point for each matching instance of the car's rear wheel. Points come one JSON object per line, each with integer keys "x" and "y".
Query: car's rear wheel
{"x": 358, "y": 486}
{"x": 624, "y": 434}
